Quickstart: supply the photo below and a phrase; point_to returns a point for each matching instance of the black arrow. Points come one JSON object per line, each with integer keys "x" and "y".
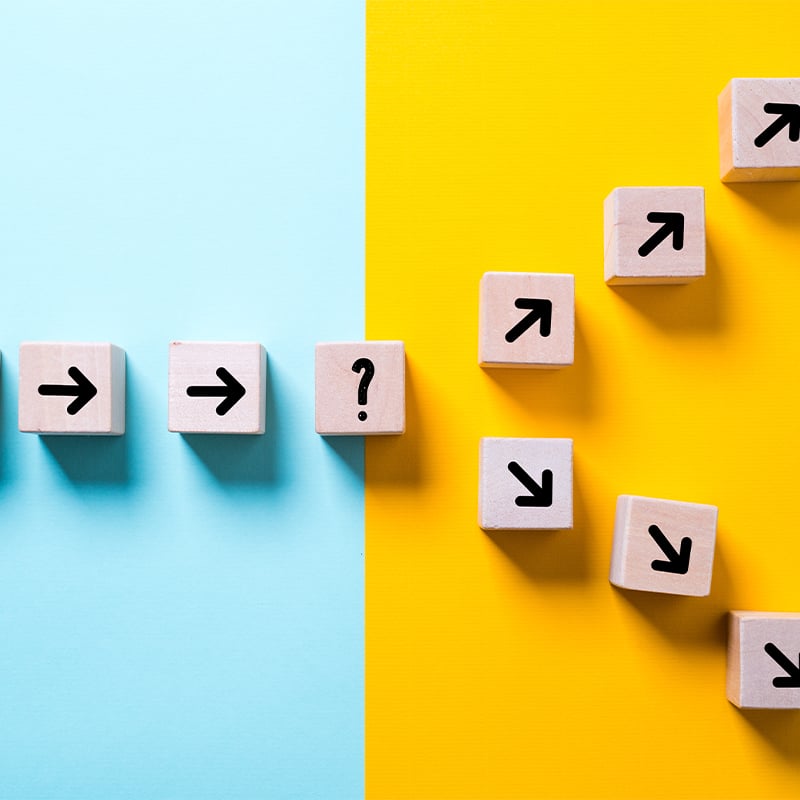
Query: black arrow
{"x": 789, "y": 115}
{"x": 672, "y": 224}
{"x": 540, "y": 496}
{"x": 232, "y": 391}
{"x": 792, "y": 679}
{"x": 677, "y": 563}
{"x": 540, "y": 310}
{"x": 83, "y": 390}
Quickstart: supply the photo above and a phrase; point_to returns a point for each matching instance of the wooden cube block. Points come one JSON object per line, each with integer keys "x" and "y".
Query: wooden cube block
{"x": 764, "y": 659}
{"x": 72, "y": 388}
{"x": 527, "y": 319}
{"x": 525, "y": 484}
{"x": 759, "y": 130}
{"x": 663, "y": 546}
{"x": 654, "y": 234}
{"x": 217, "y": 387}
{"x": 360, "y": 388}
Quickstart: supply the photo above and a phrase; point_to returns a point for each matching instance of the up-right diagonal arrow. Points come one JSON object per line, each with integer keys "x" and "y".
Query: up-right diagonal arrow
{"x": 541, "y": 311}
{"x": 788, "y": 115}
{"x": 672, "y": 225}
{"x": 792, "y": 678}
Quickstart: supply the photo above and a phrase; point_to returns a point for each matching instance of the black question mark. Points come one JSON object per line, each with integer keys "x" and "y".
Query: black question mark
{"x": 368, "y": 368}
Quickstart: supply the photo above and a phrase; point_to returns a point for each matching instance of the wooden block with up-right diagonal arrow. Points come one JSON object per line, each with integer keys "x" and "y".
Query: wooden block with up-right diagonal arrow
{"x": 663, "y": 546}
{"x": 72, "y": 388}
{"x": 654, "y": 234}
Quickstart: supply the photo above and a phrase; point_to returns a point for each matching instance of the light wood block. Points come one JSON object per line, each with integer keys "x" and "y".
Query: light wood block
{"x": 654, "y": 234}
{"x": 360, "y": 388}
{"x": 217, "y": 387}
{"x": 663, "y": 546}
{"x": 527, "y": 319}
{"x": 764, "y": 659}
{"x": 525, "y": 484}
{"x": 759, "y": 130}
{"x": 72, "y": 388}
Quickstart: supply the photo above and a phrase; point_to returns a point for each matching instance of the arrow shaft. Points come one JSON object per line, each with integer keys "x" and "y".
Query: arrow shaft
{"x": 59, "y": 390}
{"x": 207, "y": 391}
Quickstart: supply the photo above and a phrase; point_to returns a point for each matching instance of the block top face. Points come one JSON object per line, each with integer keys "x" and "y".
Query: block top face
{"x": 663, "y": 546}
{"x": 360, "y": 388}
{"x": 71, "y": 388}
{"x": 527, "y": 319}
{"x": 760, "y": 124}
{"x": 525, "y": 484}
{"x": 217, "y": 387}
{"x": 764, "y": 659}
{"x": 655, "y": 234}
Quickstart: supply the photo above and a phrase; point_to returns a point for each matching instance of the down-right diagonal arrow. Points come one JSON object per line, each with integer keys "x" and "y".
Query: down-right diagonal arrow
{"x": 792, "y": 678}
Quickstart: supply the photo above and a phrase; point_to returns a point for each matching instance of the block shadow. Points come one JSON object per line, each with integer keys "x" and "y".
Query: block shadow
{"x": 693, "y": 621}
{"x": 399, "y": 459}
{"x": 779, "y": 727}
{"x": 551, "y": 556}
{"x": 566, "y": 391}
{"x": 779, "y": 200}
{"x": 691, "y": 308}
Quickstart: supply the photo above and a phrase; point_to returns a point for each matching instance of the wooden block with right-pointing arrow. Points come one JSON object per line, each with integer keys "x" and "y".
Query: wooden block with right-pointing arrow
{"x": 525, "y": 484}
{"x": 217, "y": 387}
{"x": 527, "y": 319}
{"x": 759, "y": 130}
{"x": 663, "y": 546}
{"x": 764, "y": 659}
{"x": 72, "y": 388}
{"x": 654, "y": 234}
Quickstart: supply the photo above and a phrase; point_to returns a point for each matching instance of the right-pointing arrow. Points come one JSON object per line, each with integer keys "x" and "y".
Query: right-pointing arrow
{"x": 672, "y": 224}
{"x": 792, "y": 679}
{"x": 676, "y": 563}
{"x": 231, "y": 391}
{"x": 789, "y": 114}
{"x": 540, "y": 496}
{"x": 83, "y": 390}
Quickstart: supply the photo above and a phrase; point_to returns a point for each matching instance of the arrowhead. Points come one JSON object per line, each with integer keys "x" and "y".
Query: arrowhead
{"x": 540, "y": 311}
{"x": 792, "y": 679}
{"x": 540, "y": 496}
{"x": 677, "y": 562}
{"x": 85, "y": 390}
{"x": 788, "y": 115}
{"x": 672, "y": 225}
{"x": 234, "y": 394}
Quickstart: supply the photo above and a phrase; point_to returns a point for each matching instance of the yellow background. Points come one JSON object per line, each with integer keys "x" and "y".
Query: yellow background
{"x": 505, "y": 665}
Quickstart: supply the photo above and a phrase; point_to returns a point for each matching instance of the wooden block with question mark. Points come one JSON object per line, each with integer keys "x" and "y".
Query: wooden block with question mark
{"x": 360, "y": 388}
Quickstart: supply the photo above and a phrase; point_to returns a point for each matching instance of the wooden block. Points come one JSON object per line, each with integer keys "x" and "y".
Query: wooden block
{"x": 360, "y": 388}
{"x": 654, "y": 234}
{"x": 72, "y": 388}
{"x": 525, "y": 484}
{"x": 527, "y": 319}
{"x": 764, "y": 659}
{"x": 759, "y": 130}
{"x": 663, "y": 546}
{"x": 217, "y": 387}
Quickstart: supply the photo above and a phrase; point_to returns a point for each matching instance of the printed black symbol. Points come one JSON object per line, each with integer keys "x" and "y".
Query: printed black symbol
{"x": 677, "y": 563}
{"x": 83, "y": 390}
{"x": 540, "y": 311}
{"x": 672, "y": 223}
{"x": 540, "y": 496}
{"x": 792, "y": 678}
{"x": 232, "y": 391}
{"x": 789, "y": 116}
{"x": 366, "y": 366}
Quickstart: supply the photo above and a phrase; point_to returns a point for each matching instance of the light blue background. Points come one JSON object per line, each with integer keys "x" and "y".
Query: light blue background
{"x": 181, "y": 617}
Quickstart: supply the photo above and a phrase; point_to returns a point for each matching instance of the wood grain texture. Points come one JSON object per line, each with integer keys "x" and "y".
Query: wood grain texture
{"x": 338, "y": 410}
{"x": 48, "y": 363}
{"x": 743, "y": 118}
{"x": 549, "y": 342}
{"x": 627, "y": 228}
{"x": 753, "y": 670}
{"x": 194, "y": 364}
